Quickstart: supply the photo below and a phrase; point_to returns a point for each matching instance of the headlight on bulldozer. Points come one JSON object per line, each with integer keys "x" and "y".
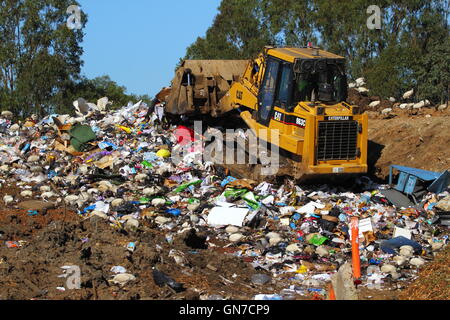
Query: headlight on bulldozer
{"x": 320, "y": 111}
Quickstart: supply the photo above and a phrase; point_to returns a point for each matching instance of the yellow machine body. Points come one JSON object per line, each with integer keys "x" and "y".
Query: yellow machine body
{"x": 316, "y": 137}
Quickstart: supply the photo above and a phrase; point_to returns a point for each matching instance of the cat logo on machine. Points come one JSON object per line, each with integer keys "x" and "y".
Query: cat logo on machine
{"x": 289, "y": 120}
{"x": 300, "y": 122}
{"x": 339, "y": 118}
{"x": 278, "y": 116}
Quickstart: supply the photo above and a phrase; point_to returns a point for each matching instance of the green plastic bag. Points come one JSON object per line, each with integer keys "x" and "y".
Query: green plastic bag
{"x": 187, "y": 185}
{"x": 234, "y": 193}
{"x": 80, "y": 135}
{"x": 318, "y": 240}
{"x": 249, "y": 197}
{"x": 147, "y": 164}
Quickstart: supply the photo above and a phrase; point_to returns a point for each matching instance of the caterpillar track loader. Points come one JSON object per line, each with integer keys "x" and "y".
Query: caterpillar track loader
{"x": 300, "y": 93}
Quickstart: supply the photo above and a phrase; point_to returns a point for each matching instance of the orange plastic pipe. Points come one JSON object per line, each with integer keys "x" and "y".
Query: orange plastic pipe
{"x": 331, "y": 294}
{"x": 354, "y": 224}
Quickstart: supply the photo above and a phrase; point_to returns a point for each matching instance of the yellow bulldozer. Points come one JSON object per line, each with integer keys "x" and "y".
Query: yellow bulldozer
{"x": 298, "y": 92}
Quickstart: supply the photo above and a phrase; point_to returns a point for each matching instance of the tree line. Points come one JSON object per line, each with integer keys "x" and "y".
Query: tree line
{"x": 411, "y": 50}
{"x": 40, "y": 60}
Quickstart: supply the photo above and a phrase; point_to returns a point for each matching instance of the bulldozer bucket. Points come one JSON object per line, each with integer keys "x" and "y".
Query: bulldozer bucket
{"x": 199, "y": 85}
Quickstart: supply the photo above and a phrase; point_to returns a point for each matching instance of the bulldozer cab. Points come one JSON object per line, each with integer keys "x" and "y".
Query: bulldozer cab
{"x": 300, "y": 75}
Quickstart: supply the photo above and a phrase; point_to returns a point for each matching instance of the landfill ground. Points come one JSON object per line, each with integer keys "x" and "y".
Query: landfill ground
{"x": 54, "y": 240}
{"x": 415, "y": 141}
{"x": 202, "y": 258}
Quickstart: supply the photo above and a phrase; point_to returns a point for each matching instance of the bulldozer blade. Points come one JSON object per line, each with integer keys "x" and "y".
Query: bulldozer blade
{"x": 199, "y": 85}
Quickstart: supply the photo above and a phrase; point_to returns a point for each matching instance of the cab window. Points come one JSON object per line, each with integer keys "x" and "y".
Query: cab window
{"x": 285, "y": 86}
{"x": 268, "y": 91}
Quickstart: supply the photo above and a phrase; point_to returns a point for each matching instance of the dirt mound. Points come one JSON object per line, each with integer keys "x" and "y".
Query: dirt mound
{"x": 363, "y": 100}
{"x": 413, "y": 141}
{"x": 50, "y": 242}
{"x": 416, "y": 138}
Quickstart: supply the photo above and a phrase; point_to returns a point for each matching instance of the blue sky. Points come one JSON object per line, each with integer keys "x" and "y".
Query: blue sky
{"x": 138, "y": 42}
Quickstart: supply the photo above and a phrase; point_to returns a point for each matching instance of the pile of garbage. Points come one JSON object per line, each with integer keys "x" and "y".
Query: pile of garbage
{"x": 115, "y": 169}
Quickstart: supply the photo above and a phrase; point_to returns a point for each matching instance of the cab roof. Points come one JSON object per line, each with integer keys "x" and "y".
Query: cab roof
{"x": 291, "y": 54}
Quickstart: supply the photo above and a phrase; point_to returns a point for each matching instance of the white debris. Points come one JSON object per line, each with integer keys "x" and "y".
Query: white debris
{"x": 162, "y": 220}
{"x": 150, "y": 191}
{"x": 220, "y": 216}
{"x": 26, "y": 194}
{"x": 132, "y": 224}
{"x": 322, "y": 251}
{"x": 374, "y": 104}
{"x": 232, "y": 229}
{"x": 442, "y": 107}
{"x": 388, "y": 268}
{"x": 386, "y": 111}
{"x": 294, "y": 247}
{"x": 34, "y": 158}
{"x": 400, "y": 260}
{"x": 310, "y": 207}
{"x": 140, "y": 177}
{"x": 419, "y": 105}
{"x": 362, "y": 90}
{"x": 100, "y": 214}
{"x": 8, "y": 200}
{"x": 48, "y": 195}
{"x": 117, "y": 203}
{"x": 158, "y": 202}
{"x": 7, "y": 114}
{"x": 14, "y": 128}
{"x": 123, "y": 278}
{"x": 360, "y": 82}
{"x": 406, "y": 251}
{"x": 418, "y": 262}
{"x": 102, "y": 103}
{"x": 408, "y": 94}
{"x": 236, "y": 237}
{"x": 72, "y": 199}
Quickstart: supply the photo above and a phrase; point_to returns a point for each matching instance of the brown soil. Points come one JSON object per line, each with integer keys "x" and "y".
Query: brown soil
{"x": 409, "y": 140}
{"x": 56, "y": 240}
{"x": 433, "y": 282}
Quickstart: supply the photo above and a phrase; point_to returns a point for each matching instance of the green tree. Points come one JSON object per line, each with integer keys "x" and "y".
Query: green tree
{"x": 430, "y": 45}
{"x": 405, "y": 53}
{"x": 40, "y": 57}
{"x": 291, "y": 22}
{"x": 239, "y": 31}
{"x": 410, "y": 50}
{"x": 94, "y": 89}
